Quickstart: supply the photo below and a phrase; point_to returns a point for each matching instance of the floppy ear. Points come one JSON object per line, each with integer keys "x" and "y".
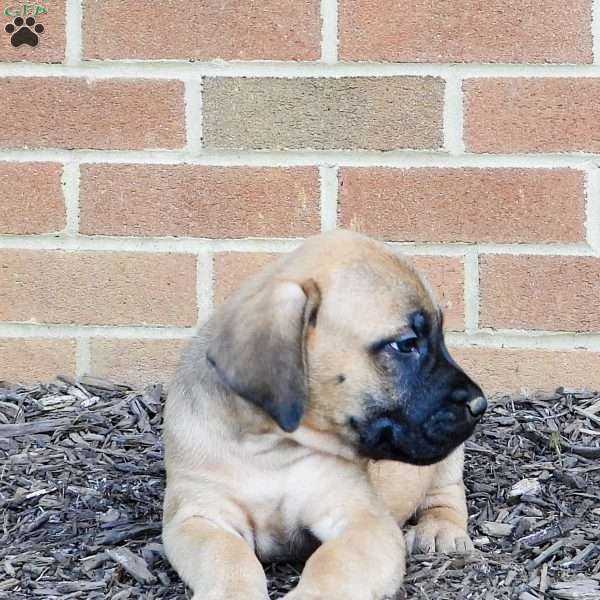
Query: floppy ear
{"x": 259, "y": 352}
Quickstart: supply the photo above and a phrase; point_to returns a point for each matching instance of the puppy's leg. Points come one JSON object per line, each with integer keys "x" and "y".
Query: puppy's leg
{"x": 216, "y": 564}
{"x": 400, "y": 486}
{"x": 363, "y": 557}
{"x": 442, "y": 516}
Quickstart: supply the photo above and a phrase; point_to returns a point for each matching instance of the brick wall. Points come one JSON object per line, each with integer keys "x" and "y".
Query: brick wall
{"x": 152, "y": 154}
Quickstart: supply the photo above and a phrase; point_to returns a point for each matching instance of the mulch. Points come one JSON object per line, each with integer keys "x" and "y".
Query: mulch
{"x": 81, "y": 485}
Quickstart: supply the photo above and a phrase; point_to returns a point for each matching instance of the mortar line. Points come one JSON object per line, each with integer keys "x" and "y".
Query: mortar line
{"x": 272, "y": 245}
{"x": 300, "y": 158}
{"x": 596, "y": 31}
{"x": 328, "y": 177}
{"x": 453, "y": 116}
{"x": 329, "y": 31}
{"x": 592, "y": 208}
{"x": 83, "y": 360}
{"x": 193, "y": 117}
{"x": 185, "y": 70}
{"x": 544, "y": 340}
{"x": 204, "y": 286}
{"x": 554, "y": 341}
{"x": 145, "y": 244}
{"x": 70, "y": 182}
{"x": 73, "y": 34}
{"x": 471, "y": 290}
{"x": 46, "y": 330}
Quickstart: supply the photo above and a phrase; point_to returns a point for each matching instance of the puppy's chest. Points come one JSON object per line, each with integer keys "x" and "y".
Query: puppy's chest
{"x": 278, "y": 538}
{"x": 264, "y": 489}
{"x": 280, "y": 534}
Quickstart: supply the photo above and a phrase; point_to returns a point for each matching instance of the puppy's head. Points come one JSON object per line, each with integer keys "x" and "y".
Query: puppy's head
{"x": 344, "y": 337}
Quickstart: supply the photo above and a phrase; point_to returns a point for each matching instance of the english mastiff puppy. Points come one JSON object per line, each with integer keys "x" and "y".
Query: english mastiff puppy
{"x": 314, "y": 414}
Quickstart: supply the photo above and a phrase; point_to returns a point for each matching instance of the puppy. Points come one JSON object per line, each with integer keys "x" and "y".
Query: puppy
{"x": 314, "y": 413}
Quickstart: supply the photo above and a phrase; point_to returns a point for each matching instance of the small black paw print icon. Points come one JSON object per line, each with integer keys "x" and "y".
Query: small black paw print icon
{"x": 24, "y": 32}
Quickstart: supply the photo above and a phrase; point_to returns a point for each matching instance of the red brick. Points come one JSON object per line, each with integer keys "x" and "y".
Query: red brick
{"x": 33, "y": 360}
{"x": 532, "y": 115}
{"x": 505, "y": 370}
{"x": 464, "y": 205}
{"x": 103, "y": 114}
{"x": 186, "y": 200}
{"x": 554, "y": 293}
{"x": 97, "y": 288}
{"x": 372, "y": 113}
{"x": 137, "y": 362}
{"x": 32, "y": 198}
{"x": 51, "y": 44}
{"x": 445, "y": 274}
{"x": 231, "y": 269}
{"x": 507, "y": 31}
{"x": 230, "y": 30}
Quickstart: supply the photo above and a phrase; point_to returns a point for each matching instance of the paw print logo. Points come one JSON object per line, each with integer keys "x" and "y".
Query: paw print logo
{"x": 24, "y": 32}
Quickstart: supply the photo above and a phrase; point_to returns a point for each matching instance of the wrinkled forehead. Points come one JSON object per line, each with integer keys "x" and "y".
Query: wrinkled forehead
{"x": 376, "y": 300}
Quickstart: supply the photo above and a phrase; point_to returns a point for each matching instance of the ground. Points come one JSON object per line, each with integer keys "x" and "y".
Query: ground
{"x": 82, "y": 479}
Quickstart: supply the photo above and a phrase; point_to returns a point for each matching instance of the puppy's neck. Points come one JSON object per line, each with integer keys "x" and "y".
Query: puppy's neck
{"x": 253, "y": 421}
{"x": 322, "y": 441}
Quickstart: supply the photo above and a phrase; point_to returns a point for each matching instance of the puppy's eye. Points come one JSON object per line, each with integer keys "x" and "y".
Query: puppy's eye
{"x": 407, "y": 345}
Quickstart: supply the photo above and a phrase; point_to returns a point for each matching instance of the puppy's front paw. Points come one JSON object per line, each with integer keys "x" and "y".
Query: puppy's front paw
{"x": 437, "y": 535}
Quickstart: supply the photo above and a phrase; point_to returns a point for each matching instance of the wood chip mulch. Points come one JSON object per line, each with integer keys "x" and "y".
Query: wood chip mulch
{"x": 81, "y": 485}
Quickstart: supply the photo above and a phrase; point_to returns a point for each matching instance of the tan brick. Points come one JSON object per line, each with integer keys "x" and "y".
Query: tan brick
{"x": 230, "y": 269}
{"x": 103, "y": 114}
{"x": 374, "y": 113}
{"x": 97, "y": 288}
{"x": 137, "y": 362}
{"x": 32, "y": 199}
{"x": 51, "y": 41}
{"x": 505, "y": 370}
{"x": 505, "y": 31}
{"x": 532, "y": 115}
{"x": 446, "y": 276}
{"x": 33, "y": 360}
{"x": 554, "y": 293}
{"x": 464, "y": 205}
{"x": 230, "y": 30}
{"x": 185, "y": 200}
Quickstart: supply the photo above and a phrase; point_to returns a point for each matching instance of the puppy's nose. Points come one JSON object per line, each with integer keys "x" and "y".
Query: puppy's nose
{"x": 471, "y": 396}
{"x": 477, "y": 406}
{"x": 460, "y": 395}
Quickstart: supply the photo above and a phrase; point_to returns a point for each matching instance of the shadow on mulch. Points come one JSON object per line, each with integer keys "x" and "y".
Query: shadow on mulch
{"x": 81, "y": 485}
